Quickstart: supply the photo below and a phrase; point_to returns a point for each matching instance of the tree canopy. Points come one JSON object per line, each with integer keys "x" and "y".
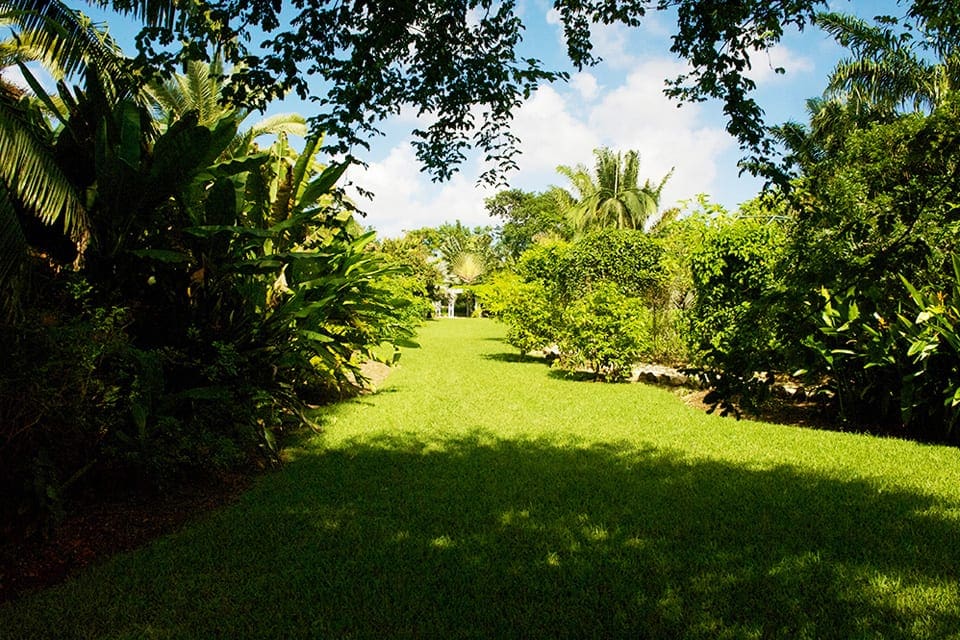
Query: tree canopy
{"x": 458, "y": 61}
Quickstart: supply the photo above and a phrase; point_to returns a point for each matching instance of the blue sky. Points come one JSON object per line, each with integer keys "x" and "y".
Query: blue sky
{"x": 619, "y": 103}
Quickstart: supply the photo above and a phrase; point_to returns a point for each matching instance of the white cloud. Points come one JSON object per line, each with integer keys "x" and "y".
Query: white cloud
{"x": 406, "y": 199}
{"x": 550, "y": 134}
{"x": 586, "y": 85}
{"x": 557, "y": 128}
{"x": 553, "y": 17}
{"x": 637, "y": 115}
{"x": 612, "y": 44}
{"x": 766, "y": 62}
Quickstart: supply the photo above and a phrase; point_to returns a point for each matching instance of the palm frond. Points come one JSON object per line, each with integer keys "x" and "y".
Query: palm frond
{"x": 154, "y": 13}
{"x": 65, "y": 36}
{"x": 31, "y": 174}
{"x": 863, "y": 39}
{"x": 885, "y": 72}
{"x": 468, "y": 267}
{"x": 27, "y": 47}
{"x": 612, "y": 196}
{"x": 292, "y": 124}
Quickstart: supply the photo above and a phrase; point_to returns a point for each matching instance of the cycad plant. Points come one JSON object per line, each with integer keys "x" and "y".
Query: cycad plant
{"x": 201, "y": 89}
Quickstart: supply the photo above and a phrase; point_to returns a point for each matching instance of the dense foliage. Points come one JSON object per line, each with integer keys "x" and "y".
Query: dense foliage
{"x": 878, "y": 210}
{"x": 460, "y": 62}
{"x": 732, "y": 321}
{"x": 205, "y": 296}
{"x": 591, "y": 298}
{"x": 851, "y": 286}
{"x": 175, "y": 296}
{"x": 527, "y": 218}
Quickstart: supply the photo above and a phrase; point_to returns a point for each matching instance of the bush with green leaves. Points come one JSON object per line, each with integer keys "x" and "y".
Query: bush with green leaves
{"x": 859, "y": 358}
{"x": 62, "y": 396}
{"x": 543, "y": 262}
{"x": 605, "y": 332}
{"x": 902, "y": 372}
{"x": 411, "y": 294}
{"x": 236, "y": 291}
{"x": 524, "y": 307}
{"x": 531, "y": 322}
{"x": 680, "y": 239}
{"x": 619, "y": 270}
{"x": 875, "y": 209}
{"x": 630, "y": 260}
{"x": 733, "y": 321}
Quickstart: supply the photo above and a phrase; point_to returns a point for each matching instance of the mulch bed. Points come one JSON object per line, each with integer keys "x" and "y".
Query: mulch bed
{"x": 98, "y": 530}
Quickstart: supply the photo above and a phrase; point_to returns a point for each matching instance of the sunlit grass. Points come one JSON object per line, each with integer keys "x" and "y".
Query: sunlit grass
{"x": 478, "y": 495}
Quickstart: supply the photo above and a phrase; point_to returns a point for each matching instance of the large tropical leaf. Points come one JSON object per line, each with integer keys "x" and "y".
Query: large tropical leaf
{"x": 468, "y": 267}
{"x": 199, "y": 89}
{"x": 276, "y": 125}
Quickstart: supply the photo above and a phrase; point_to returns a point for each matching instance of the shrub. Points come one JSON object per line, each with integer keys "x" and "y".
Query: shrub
{"x": 606, "y": 332}
{"x": 857, "y": 358}
{"x": 543, "y": 262}
{"x": 65, "y": 392}
{"x": 524, "y": 307}
{"x": 931, "y": 393}
{"x": 629, "y": 259}
{"x": 733, "y": 322}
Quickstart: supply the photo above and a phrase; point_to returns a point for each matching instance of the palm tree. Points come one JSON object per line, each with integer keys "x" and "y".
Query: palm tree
{"x": 830, "y": 122}
{"x": 888, "y": 70}
{"x": 886, "y": 74}
{"x": 611, "y": 197}
{"x": 31, "y": 181}
{"x": 67, "y": 44}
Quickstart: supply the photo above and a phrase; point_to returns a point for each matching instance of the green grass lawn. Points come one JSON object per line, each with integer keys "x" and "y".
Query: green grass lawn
{"x": 478, "y": 495}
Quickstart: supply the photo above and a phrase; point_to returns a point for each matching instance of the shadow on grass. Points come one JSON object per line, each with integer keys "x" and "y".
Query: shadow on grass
{"x": 573, "y": 376}
{"x": 482, "y": 537}
{"x": 516, "y": 357}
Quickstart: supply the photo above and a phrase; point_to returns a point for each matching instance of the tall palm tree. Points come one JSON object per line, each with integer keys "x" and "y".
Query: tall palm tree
{"x": 890, "y": 70}
{"x": 830, "y": 122}
{"x": 611, "y": 196}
